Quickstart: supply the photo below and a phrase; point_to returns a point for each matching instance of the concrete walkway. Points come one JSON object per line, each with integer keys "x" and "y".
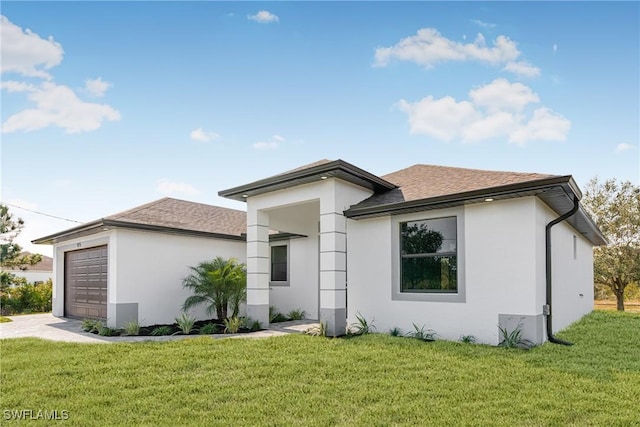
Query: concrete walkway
{"x": 52, "y": 328}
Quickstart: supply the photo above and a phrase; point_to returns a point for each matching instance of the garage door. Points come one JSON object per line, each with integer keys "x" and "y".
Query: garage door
{"x": 85, "y": 283}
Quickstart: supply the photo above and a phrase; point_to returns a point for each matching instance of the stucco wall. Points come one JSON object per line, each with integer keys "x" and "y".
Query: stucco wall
{"x": 151, "y": 267}
{"x": 302, "y": 290}
{"x": 146, "y": 268}
{"x": 498, "y": 247}
{"x": 572, "y": 276}
{"x": 33, "y": 275}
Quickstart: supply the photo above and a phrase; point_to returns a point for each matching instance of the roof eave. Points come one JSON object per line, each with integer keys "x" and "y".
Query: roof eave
{"x": 336, "y": 169}
{"x": 107, "y": 224}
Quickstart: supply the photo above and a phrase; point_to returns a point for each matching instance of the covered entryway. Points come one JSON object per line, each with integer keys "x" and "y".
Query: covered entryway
{"x": 85, "y": 283}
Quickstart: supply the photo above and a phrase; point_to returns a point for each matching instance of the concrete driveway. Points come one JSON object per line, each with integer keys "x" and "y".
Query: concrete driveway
{"x": 52, "y": 328}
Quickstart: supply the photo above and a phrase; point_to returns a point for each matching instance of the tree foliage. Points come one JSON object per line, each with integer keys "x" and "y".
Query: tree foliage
{"x": 219, "y": 284}
{"x": 615, "y": 207}
{"x": 11, "y": 255}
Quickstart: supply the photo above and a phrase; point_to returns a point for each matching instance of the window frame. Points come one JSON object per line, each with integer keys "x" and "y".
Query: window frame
{"x": 397, "y": 294}
{"x": 279, "y": 282}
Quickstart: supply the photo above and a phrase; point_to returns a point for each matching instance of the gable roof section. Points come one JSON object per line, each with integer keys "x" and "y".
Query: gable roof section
{"x": 312, "y": 172}
{"x": 166, "y": 215}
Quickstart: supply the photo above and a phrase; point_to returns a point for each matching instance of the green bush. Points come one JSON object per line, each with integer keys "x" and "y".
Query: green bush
{"x": 232, "y": 325}
{"x": 298, "y": 314}
{"x": 25, "y": 298}
{"x": 208, "y": 329}
{"x": 91, "y": 325}
{"x": 186, "y": 323}
{"x": 132, "y": 328}
{"x": 162, "y": 330}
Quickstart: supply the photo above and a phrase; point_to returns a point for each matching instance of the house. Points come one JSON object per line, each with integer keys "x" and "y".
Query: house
{"x": 129, "y": 266}
{"x": 461, "y": 251}
{"x": 37, "y": 273}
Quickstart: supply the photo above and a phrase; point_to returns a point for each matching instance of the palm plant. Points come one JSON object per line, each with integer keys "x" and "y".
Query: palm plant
{"x": 219, "y": 284}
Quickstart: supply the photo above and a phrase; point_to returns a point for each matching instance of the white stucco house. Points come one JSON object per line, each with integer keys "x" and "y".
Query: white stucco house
{"x": 130, "y": 265}
{"x": 460, "y": 251}
{"x": 38, "y": 273}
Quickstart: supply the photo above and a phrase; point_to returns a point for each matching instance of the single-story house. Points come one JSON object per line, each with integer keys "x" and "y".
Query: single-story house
{"x": 37, "y": 273}
{"x": 129, "y": 266}
{"x": 460, "y": 251}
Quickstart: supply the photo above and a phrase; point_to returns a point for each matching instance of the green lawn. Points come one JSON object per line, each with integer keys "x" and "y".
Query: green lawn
{"x": 4, "y": 319}
{"x": 301, "y": 380}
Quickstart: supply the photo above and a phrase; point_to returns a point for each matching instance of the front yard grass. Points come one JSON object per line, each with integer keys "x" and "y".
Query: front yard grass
{"x": 5, "y": 319}
{"x": 300, "y": 380}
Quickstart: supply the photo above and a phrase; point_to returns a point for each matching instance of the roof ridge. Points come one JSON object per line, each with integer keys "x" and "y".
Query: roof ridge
{"x": 467, "y": 169}
{"x": 136, "y": 209}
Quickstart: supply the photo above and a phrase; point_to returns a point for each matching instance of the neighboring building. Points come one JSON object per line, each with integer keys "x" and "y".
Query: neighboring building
{"x": 460, "y": 251}
{"x": 130, "y": 266}
{"x": 38, "y": 273}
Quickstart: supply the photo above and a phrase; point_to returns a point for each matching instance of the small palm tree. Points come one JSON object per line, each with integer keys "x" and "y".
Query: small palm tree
{"x": 219, "y": 283}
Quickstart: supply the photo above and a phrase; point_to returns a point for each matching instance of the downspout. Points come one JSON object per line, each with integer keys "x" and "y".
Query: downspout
{"x": 547, "y": 308}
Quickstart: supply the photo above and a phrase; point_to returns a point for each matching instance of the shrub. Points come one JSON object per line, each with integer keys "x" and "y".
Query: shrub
{"x": 297, "y": 314}
{"x": 420, "y": 333}
{"x": 185, "y": 323}
{"x": 162, "y": 330}
{"x": 275, "y": 316}
{"x": 363, "y": 326}
{"x": 468, "y": 339}
{"x": 208, "y": 329}
{"x": 106, "y": 331}
{"x": 25, "y": 298}
{"x": 395, "y": 331}
{"x": 253, "y": 325}
{"x": 91, "y": 325}
{"x": 132, "y": 328}
{"x": 513, "y": 339}
{"x": 232, "y": 325}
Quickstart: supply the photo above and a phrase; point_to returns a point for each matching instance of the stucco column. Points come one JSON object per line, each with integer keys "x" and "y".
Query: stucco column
{"x": 258, "y": 266}
{"x": 333, "y": 272}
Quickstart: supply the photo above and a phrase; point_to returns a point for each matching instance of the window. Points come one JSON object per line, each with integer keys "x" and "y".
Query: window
{"x": 428, "y": 256}
{"x": 279, "y": 270}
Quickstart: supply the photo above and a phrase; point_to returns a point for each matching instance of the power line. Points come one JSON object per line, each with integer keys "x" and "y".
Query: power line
{"x": 41, "y": 213}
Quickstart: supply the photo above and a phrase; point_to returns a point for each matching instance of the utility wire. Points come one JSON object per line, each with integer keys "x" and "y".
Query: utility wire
{"x": 41, "y": 213}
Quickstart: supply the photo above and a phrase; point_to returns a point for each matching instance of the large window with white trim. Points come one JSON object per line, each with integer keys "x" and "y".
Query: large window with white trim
{"x": 429, "y": 256}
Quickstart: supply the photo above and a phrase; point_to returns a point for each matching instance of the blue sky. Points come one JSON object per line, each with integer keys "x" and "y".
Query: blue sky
{"x": 106, "y": 106}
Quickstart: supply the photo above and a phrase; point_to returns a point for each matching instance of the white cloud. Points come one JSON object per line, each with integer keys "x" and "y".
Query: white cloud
{"x": 500, "y": 95}
{"x": 522, "y": 69}
{"x": 496, "y": 110}
{"x": 14, "y": 86}
{"x": 624, "y": 147}
{"x": 429, "y": 48}
{"x": 171, "y": 188}
{"x": 555, "y": 48}
{"x": 545, "y": 125}
{"x": 278, "y": 138}
{"x": 441, "y": 118}
{"x": 96, "y": 87}
{"x": 264, "y": 17}
{"x": 25, "y": 52}
{"x": 202, "y": 136}
{"x": 483, "y": 24}
{"x": 58, "y": 105}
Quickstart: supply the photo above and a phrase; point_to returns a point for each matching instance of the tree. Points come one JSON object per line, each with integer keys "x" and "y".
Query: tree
{"x": 417, "y": 238}
{"x": 615, "y": 207}
{"x": 11, "y": 255}
{"x": 219, "y": 283}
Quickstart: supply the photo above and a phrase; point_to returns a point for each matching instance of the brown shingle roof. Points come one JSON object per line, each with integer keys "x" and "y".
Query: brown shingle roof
{"x": 184, "y": 215}
{"x": 419, "y": 182}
